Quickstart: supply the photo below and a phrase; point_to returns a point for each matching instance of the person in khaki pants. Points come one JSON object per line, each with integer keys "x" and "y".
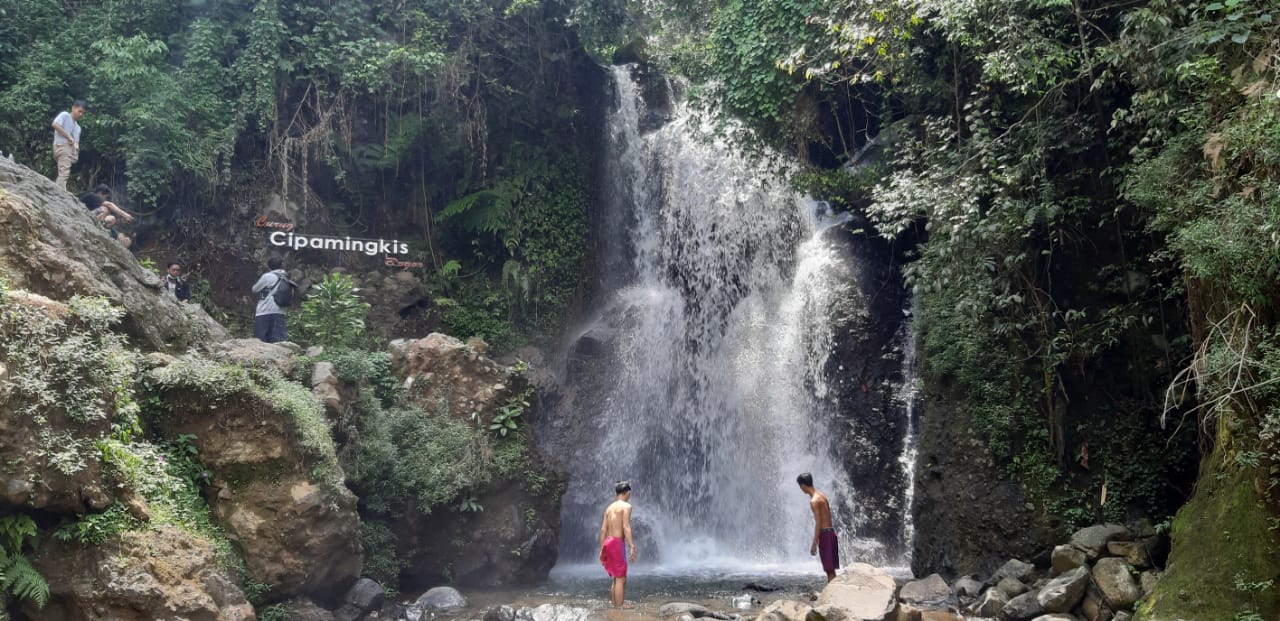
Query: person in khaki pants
{"x": 66, "y": 140}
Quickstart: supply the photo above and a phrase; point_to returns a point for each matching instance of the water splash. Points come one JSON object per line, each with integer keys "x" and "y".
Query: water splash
{"x": 715, "y": 388}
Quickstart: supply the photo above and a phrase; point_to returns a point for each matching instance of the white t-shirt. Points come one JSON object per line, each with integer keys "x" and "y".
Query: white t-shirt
{"x": 67, "y": 123}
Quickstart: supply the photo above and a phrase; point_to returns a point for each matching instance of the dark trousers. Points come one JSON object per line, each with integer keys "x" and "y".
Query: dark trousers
{"x": 270, "y": 328}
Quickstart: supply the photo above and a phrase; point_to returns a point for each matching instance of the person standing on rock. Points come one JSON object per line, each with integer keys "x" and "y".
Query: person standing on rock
{"x": 175, "y": 283}
{"x": 66, "y": 140}
{"x": 614, "y": 531}
{"x": 268, "y": 321}
{"x": 824, "y": 534}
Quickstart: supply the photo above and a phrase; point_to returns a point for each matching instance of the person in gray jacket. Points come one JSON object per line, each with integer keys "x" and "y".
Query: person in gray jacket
{"x": 268, "y": 321}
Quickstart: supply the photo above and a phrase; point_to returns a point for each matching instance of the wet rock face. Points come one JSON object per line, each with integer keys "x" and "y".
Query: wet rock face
{"x": 50, "y": 245}
{"x": 142, "y": 576}
{"x": 441, "y": 370}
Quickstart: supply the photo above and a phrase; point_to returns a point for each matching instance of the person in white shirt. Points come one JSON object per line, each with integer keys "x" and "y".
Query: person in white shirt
{"x": 66, "y": 140}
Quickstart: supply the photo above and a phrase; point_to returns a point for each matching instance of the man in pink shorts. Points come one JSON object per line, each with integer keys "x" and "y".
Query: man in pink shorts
{"x": 825, "y": 545}
{"x": 614, "y": 530}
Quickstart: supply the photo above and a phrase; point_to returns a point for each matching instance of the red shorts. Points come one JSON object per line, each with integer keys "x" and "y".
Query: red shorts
{"x": 829, "y": 549}
{"x": 613, "y": 555}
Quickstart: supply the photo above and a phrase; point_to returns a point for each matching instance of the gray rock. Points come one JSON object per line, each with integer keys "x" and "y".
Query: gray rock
{"x": 931, "y": 592}
{"x": 1123, "y": 616}
{"x": 255, "y": 353}
{"x": 1064, "y": 592}
{"x": 414, "y": 612}
{"x": 1056, "y": 617}
{"x": 1014, "y": 568}
{"x": 1022, "y": 607}
{"x": 1065, "y": 558}
{"x": 1094, "y": 539}
{"x": 1118, "y": 587}
{"x": 679, "y": 608}
{"x": 1148, "y": 580}
{"x": 500, "y": 613}
{"x": 1012, "y": 588}
{"x": 967, "y": 586}
{"x": 1137, "y": 553}
{"x": 560, "y": 612}
{"x": 442, "y": 599}
{"x": 785, "y": 610}
{"x": 862, "y": 592}
{"x": 991, "y": 603}
{"x": 1092, "y": 607}
{"x": 303, "y": 609}
{"x": 365, "y": 595}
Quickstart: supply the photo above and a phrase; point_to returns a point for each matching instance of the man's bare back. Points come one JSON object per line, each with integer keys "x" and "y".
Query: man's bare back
{"x": 617, "y": 521}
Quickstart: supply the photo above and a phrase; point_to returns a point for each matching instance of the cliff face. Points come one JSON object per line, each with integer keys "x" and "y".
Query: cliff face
{"x": 51, "y": 246}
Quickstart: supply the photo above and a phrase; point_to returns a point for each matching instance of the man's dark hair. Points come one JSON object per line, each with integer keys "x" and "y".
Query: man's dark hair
{"x": 622, "y": 487}
{"x": 805, "y": 479}
{"x": 274, "y": 263}
{"x": 102, "y": 188}
{"x": 80, "y": 103}
{"x": 173, "y": 263}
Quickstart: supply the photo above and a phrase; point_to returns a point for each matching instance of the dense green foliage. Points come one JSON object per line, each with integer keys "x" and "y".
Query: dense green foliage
{"x": 18, "y": 579}
{"x": 458, "y": 125}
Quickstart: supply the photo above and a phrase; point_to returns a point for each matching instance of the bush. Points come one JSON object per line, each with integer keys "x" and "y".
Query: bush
{"x": 333, "y": 315}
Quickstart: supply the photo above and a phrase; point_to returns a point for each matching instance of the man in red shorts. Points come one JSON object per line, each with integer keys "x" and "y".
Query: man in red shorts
{"x": 824, "y": 535}
{"x": 614, "y": 530}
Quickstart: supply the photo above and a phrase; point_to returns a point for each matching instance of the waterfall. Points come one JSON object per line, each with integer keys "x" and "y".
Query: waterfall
{"x": 705, "y": 375}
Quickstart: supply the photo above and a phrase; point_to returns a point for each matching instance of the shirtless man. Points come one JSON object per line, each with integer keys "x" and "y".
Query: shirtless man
{"x": 824, "y": 535}
{"x": 616, "y": 528}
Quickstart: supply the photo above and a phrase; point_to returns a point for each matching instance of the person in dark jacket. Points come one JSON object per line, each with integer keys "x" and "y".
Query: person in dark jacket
{"x": 175, "y": 283}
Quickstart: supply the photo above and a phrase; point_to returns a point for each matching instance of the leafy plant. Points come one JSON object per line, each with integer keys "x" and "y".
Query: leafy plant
{"x": 334, "y": 314}
{"x": 18, "y": 578}
{"x": 507, "y": 417}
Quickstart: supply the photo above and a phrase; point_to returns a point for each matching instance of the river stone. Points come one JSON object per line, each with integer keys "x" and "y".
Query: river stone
{"x": 1056, "y": 617}
{"x": 1094, "y": 539}
{"x": 1136, "y": 553}
{"x": 1012, "y": 588}
{"x": 931, "y": 592}
{"x": 500, "y": 613}
{"x": 1065, "y": 558}
{"x": 442, "y": 599}
{"x": 679, "y": 608}
{"x": 365, "y": 595}
{"x": 1014, "y": 568}
{"x": 785, "y": 610}
{"x": 967, "y": 586}
{"x": 861, "y": 593}
{"x": 1092, "y": 607}
{"x": 1116, "y": 583}
{"x": 1123, "y": 616}
{"x": 991, "y": 603}
{"x": 1022, "y": 607}
{"x": 560, "y": 612}
{"x": 1147, "y": 580}
{"x": 1064, "y": 592}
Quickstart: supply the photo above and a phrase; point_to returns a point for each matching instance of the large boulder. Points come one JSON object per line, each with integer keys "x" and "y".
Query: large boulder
{"x": 49, "y": 244}
{"x": 275, "y": 485}
{"x": 141, "y": 576}
{"x": 861, "y": 593}
{"x": 1063, "y": 593}
{"x": 1094, "y": 539}
{"x": 441, "y": 600}
{"x": 1023, "y": 607}
{"x": 991, "y": 603}
{"x": 442, "y": 371}
{"x": 1113, "y": 577}
{"x": 931, "y": 592}
{"x": 1065, "y": 558}
{"x": 1013, "y": 568}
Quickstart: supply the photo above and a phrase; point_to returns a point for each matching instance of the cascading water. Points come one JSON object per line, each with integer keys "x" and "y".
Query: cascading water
{"x": 715, "y": 384}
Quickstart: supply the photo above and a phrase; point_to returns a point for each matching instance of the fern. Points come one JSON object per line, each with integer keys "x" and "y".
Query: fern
{"x": 20, "y": 579}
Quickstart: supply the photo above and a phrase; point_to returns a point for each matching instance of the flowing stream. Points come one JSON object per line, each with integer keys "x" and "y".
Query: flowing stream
{"x": 713, "y": 386}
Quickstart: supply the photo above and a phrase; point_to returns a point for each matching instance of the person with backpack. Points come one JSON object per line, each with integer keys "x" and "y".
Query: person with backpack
{"x": 275, "y": 293}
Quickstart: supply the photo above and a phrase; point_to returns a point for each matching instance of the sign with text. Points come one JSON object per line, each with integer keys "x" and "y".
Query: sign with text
{"x": 283, "y": 235}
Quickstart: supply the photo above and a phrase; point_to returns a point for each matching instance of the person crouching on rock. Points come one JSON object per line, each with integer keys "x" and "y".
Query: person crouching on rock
{"x": 109, "y": 223}
{"x": 98, "y": 202}
{"x": 614, "y": 530}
